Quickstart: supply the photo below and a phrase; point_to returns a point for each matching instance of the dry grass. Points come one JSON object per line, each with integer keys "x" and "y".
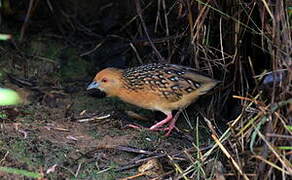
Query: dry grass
{"x": 245, "y": 44}
{"x": 248, "y": 46}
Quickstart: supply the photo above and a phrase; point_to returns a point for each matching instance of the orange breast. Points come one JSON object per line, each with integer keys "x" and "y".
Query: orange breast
{"x": 145, "y": 99}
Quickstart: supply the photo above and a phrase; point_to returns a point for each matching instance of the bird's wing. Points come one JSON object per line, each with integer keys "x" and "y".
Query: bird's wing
{"x": 176, "y": 81}
{"x": 169, "y": 81}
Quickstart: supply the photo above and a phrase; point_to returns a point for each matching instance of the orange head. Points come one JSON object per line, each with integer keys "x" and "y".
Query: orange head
{"x": 108, "y": 81}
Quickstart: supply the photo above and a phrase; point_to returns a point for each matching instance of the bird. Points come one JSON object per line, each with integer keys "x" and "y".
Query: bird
{"x": 156, "y": 86}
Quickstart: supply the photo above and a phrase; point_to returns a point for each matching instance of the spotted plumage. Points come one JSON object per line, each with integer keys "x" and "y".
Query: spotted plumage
{"x": 168, "y": 81}
{"x": 162, "y": 87}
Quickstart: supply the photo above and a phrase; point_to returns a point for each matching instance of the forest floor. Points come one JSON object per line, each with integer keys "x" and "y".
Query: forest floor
{"x": 60, "y": 131}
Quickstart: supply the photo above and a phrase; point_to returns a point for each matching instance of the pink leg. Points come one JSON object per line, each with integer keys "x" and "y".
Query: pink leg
{"x": 159, "y": 124}
{"x": 171, "y": 126}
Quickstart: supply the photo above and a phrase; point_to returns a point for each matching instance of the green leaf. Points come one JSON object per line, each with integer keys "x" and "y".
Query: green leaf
{"x": 5, "y": 37}
{"x": 9, "y": 97}
{"x": 20, "y": 172}
{"x": 285, "y": 147}
{"x": 289, "y": 127}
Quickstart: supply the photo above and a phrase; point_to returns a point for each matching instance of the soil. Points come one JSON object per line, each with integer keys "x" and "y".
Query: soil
{"x": 74, "y": 135}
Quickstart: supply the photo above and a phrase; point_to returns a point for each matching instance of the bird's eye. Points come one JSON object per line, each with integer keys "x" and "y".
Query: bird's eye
{"x": 104, "y": 80}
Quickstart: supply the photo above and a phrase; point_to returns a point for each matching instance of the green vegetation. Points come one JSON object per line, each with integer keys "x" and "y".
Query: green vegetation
{"x": 242, "y": 129}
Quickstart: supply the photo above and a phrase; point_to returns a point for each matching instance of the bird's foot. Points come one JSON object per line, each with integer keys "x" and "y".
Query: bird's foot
{"x": 157, "y": 127}
{"x": 168, "y": 129}
{"x": 138, "y": 127}
{"x": 141, "y": 127}
{"x": 134, "y": 126}
{"x": 161, "y": 123}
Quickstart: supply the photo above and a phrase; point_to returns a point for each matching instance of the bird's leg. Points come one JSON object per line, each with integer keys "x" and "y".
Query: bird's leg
{"x": 171, "y": 126}
{"x": 164, "y": 121}
{"x": 169, "y": 119}
{"x": 172, "y": 123}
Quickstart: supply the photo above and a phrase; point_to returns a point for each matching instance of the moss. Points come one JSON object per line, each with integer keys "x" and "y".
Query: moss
{"x": 72, "y": 66}
{"x": 3, "y": 115}
{"x": 2, "y": 74}
{"x": 20, "y": 151}
{"x": 147, "y": 140}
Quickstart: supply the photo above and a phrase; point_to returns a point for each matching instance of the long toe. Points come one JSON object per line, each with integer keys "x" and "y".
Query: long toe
{"x": 134, "y": 126}
{"x": 169, "y": 129}
{"x": 161, "y": 123}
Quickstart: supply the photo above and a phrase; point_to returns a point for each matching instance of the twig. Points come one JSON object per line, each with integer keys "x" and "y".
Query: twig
{"x": 30, "y": 10}
{"x": 139, "y": 11}
{"x": 156, "y": 156}
{"x": 134, "y": 150}
{"x": 94, "y": 117}
{"x": 78, "y": 169}
{"x": 229, "y": 157}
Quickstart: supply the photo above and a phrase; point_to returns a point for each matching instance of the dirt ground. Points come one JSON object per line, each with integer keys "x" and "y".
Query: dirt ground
{"x": 65, "y": 134}
{"x": 51, "y": 50}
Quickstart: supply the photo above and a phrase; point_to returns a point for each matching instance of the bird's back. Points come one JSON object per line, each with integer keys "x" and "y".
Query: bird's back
{"x": 163, "y": 87}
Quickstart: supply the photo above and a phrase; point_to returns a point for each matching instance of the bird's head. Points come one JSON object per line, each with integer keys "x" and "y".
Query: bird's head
{"x": 107, "y": 81}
